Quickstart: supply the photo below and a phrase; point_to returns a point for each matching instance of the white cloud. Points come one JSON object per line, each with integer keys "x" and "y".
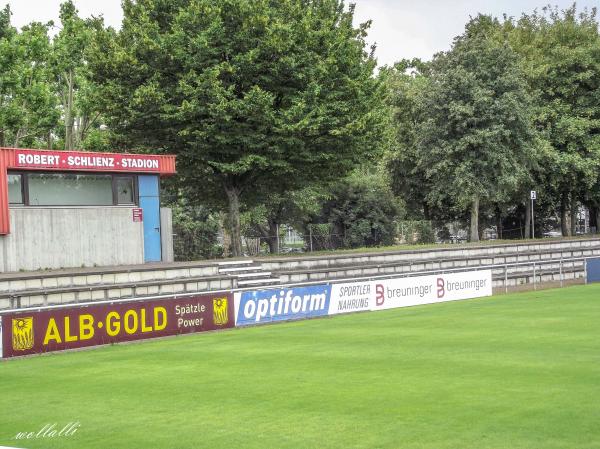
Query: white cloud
{"x": 26, "y": 11}
{"x": 408, "y": 29}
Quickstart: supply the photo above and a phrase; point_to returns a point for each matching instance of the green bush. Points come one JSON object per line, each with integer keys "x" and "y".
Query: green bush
{"x": 361, "y": 212}
{"x": 196, "y": 232}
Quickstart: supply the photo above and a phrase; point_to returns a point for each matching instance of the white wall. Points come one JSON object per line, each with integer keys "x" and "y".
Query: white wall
{"x": 166, "y": 234}
{"x": 50, "y": 238}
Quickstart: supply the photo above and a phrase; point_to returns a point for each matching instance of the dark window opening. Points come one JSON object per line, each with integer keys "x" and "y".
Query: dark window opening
{"x": 15, "y": 189}
{"x": 71, "y": 189}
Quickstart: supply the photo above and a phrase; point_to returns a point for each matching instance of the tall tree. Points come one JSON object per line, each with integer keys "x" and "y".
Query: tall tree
{"x": 69, "y": 65}
{"x": 28, "y": 110}
{"x": 476, "y": 138}
{"x": 561, "y": 56}
{"x": 406, "y": 84}
{"x": 253, "y": 95}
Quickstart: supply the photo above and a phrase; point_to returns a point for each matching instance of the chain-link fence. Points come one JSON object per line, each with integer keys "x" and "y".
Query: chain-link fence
{"x": 322, "y": 237}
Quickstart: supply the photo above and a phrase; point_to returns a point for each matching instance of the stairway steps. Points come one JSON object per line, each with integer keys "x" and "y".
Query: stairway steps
{"x": 260, "y": 274}
{"x": 239, "y": 269}
{"x": 235, "y": 262}
{"x": 254, "y": 282}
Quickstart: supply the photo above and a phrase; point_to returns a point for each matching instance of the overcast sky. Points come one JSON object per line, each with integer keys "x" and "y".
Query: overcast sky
{"x": 401, "y": 28}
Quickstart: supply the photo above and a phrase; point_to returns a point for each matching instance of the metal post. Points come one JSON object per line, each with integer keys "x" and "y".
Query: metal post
{"x": 310, "y": 237}
{"x": 277, "y": 228}
{"x": 534, "y": 285}
{"x": 505, "y": 278}
{"x": 561, "y": 272}
{"x": 532, "y": 221}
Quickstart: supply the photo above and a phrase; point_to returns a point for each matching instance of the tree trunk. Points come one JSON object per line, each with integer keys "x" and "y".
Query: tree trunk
{"x": 233, "y": 196}
{"x": 269, "y": 234}
{"x": 498, "y": 225}
{"x": 597, "y": 220}
{"x": 272, "y": 239}
{"x": 69, "y": 119}
{"x": 574, "y": 215}
{"x": 17, "y": 138}
{"x": 426, "y": 212}
{"x": 475, "y": 220}
{"x": 564, "y": 225}
{"x": 527, "y": 230}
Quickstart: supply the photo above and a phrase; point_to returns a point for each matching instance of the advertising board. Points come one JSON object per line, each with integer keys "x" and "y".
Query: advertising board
{"x": 592, "y": 270}
{"x": 408, "y": 291}
{"x": 264, "y": 306}
{"x": 351, "y": 297}
{"x": 32, "y": 332}
{"x": 411, "y": 291}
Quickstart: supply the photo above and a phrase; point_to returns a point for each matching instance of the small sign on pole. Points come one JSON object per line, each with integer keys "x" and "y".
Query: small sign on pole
{"x": 533, "y": 195}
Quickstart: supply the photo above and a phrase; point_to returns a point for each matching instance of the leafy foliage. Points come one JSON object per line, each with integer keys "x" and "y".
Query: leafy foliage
{"x": 28, "y": 107}
{"x": 361, "y": 212}
{"x": 196, "y": 232}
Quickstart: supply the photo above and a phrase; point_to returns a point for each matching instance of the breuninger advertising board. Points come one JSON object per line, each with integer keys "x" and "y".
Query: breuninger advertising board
{"x": 33, "y": 331}
{"x": 409, "y": 291}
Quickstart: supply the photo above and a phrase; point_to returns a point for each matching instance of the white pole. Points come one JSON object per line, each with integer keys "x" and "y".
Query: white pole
{"x": 532, "y": 221}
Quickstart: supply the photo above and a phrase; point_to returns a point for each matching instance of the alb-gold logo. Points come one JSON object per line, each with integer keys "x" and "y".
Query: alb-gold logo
{"x": 220, "y": 311}
{"x": 22, "y": 333}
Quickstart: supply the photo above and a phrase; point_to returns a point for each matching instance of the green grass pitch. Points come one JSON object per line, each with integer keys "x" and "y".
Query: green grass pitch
{"x": 515, "y": 371}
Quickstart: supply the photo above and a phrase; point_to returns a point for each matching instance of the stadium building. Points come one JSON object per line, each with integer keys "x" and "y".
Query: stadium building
{"x": 72, "y": 209}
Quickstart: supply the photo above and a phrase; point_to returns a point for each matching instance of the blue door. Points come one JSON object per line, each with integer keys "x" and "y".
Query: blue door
{"x": 150, "y": 204}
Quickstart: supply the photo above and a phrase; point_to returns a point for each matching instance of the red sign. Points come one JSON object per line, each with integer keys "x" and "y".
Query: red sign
{"x": 69, "y": 160}
{"x": 138, "y": 215}
{"x": 36, "y": 332}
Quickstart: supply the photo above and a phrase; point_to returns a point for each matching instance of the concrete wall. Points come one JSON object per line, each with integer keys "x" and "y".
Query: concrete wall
{"x": 166, "y": 234}
{"x": 484, "y": 254}
{"x": 43, "y": 238}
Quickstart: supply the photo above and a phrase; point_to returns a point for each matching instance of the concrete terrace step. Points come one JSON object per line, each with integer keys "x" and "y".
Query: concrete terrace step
{"x": 258, "y": 282}
{"x": 240, "y": 269}
{"x": 517, "y": 249}
{"x": 259, "y": 274}
{"x": 235, "y": 262}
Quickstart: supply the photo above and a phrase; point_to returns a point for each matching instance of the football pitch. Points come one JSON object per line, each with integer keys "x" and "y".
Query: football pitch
{"x": 514, "y": 371}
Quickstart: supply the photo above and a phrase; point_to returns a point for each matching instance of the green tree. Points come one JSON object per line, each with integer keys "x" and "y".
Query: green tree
{"x": 295, "y": 208}
{"x": 406, "y": 83}
{"x": 476, "y": 139}
{"x": 361, "y": 211}
{"x": 561, "y": 57}
{"x": 78, "y": 97}
{"x": 254, "y": 96}
{"x": 28, "y": 109}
